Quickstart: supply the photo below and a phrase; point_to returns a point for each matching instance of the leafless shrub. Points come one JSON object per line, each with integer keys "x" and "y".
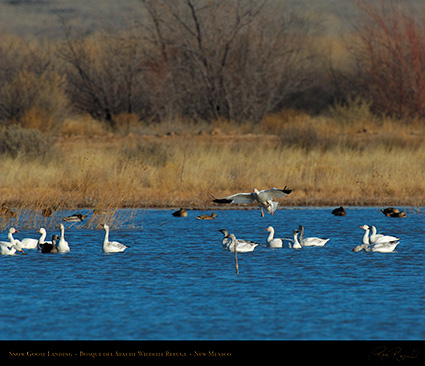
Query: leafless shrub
{"x": 105, "y": 75}
{"x": 28, "y": 144}
{"x": 392, "y": 58}
{"x": 34, "y": 101}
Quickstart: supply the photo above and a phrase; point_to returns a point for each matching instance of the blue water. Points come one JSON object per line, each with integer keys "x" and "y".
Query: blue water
{"x": 176, "y": 282}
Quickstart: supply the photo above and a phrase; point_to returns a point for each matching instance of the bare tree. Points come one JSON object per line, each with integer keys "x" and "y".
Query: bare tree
{"x": 392, "y": 57}
{"x": 236, "y": 59}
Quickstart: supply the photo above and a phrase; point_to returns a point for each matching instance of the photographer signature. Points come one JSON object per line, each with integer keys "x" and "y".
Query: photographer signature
{"x": 394, "y": 353}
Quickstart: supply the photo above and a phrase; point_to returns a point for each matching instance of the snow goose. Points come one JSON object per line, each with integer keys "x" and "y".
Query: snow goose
{"x": 271, "y": 240}
{"x": 365, "y": 239}
{"x": 63, "y": 246}
{"x": 111, "y": 246}
{"x": 28, "y": 243}
{"x": 378, "y": 247}
{"x": 207, "y": 217}
{"x": 379, "y": 238}
{"x": 42, "y": 239}
{"x": 10, "y": 247}
{"x": 48, "y": 247}
{"x": 240, "y": 246}
{"x": 296, "y": 244}
{"x": 180, "y": 213}
{"x": 264, "y": 198}
{"x": 226, "y": 240}
{"x": 311, "y": 241}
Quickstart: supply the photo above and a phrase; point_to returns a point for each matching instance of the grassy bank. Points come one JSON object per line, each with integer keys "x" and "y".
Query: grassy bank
{"x": 325, "y": 160}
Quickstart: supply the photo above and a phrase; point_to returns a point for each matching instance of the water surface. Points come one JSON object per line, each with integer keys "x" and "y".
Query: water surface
{"x": 176, "y": 282}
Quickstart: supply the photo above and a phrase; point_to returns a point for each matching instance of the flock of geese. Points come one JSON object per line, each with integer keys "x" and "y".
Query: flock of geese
{"x": 58, "y": 244}
{"x": 371, "y": 242}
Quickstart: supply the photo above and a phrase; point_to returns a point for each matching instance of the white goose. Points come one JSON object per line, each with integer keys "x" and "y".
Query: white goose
{"x": 240, "y": 246}
{"x": 365, "y": 239}
{"x": 264, "y": 198}
{"x": 379, "y": 238}
{"x": 10, "y": 247}
{"x": 376, "y": 239}
{"x": 111, "y": 246}
{"x": 271, "y": 240}
{"x": 30, "y": 243}
{"x": 226, "y": 240}
{"x": 42, "y": 239}
{"x": 378, "y": 247}
{"x": 296, "y": 244}
{"x": 311, "y": 241}
{"x": 63, "y": 246}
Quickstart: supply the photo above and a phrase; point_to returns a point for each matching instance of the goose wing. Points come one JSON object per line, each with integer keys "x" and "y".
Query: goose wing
{"x": 269, "y": 194}
{"x": 241, "y": 198}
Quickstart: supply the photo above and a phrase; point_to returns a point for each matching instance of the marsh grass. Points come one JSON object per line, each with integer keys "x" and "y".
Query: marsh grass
{"x": 324, "y": 160}
{"x": 32, "y": 218}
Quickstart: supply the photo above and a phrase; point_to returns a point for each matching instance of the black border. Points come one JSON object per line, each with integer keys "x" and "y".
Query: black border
{"x": 153, "y": 352}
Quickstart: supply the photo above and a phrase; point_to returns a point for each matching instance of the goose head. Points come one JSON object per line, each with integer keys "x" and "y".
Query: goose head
{"x": 358, "y": 248}
{"x": 224, "y": 232}
{"x": 232, "y": 237}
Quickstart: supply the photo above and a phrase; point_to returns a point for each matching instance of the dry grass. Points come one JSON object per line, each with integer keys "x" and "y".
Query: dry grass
{"x": 324, "y": 161}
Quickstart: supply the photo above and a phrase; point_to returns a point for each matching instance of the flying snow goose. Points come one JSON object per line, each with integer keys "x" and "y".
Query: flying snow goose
{"x": 63, "y": 246}
{"x": 10, "y": 247}
{"x": 111, "y": 246}
{"x": 240, "y": 246}
{"x": 264, "y": 198}
{"x": 311, "y": 241}
{"x": 48, "y": 247}
{"x": 379, "y": 238}
{"x": 378, "y": 247}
